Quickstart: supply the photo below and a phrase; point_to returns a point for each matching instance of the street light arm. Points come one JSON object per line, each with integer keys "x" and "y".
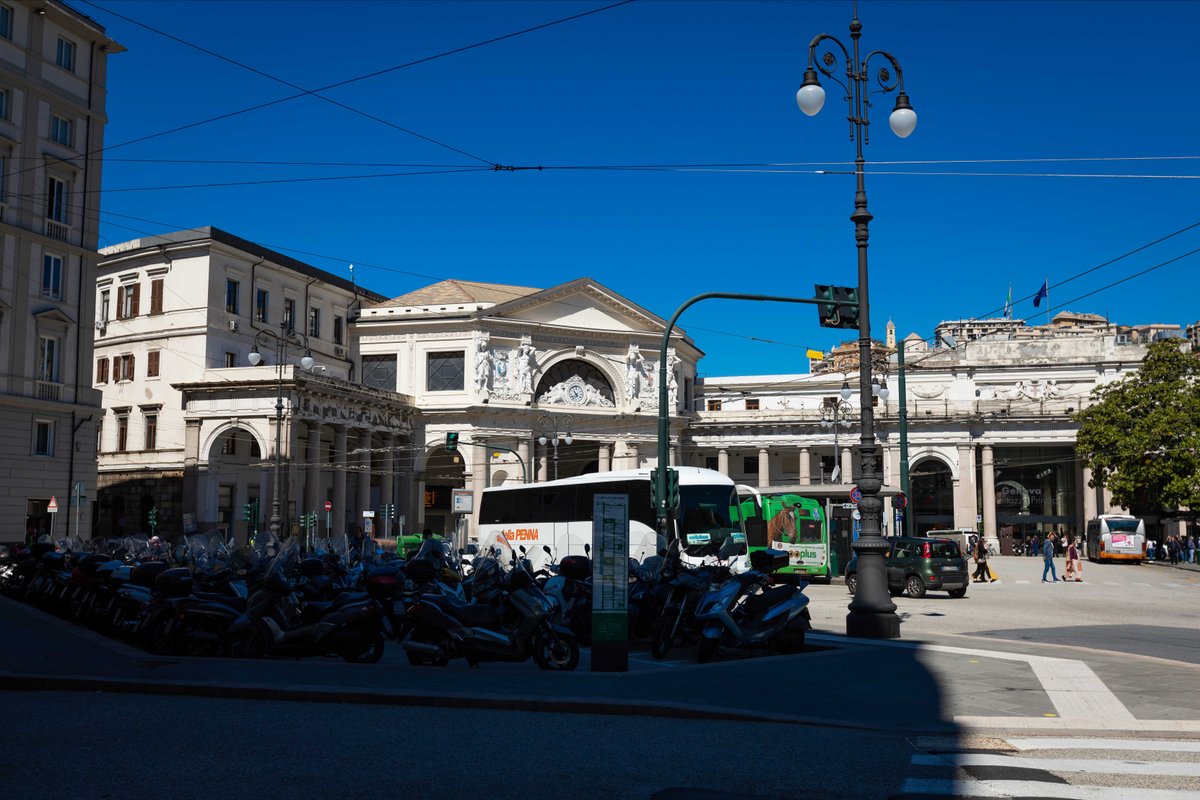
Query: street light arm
{"x": 885, "y": 79}
{"x": 828, "y": 62}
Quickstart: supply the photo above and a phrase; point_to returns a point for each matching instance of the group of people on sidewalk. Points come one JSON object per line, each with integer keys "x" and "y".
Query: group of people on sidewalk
{"x": 1176, "y": 549}
{"x": 1074, "y": 570}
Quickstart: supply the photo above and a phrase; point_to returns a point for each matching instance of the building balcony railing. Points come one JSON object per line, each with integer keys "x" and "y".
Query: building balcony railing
{"x": 51, "y": 391}
{"x": 58, "y": 230}
{"x": 48, "y": 390}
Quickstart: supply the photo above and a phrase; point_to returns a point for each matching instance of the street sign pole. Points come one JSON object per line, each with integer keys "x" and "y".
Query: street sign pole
{"x": 52, "y": 510}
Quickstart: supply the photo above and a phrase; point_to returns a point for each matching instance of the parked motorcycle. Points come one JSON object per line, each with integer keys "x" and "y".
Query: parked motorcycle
{"x": 746, "y": 611}
{"x": 519, "y": 626}
{"x": 275, "y": 622}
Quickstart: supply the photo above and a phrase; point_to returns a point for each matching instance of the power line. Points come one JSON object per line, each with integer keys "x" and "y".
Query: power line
{"x": 348, "y": 81}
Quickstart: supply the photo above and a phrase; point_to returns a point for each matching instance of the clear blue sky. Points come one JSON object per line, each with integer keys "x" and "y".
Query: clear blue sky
{"x": 680, "y": 83}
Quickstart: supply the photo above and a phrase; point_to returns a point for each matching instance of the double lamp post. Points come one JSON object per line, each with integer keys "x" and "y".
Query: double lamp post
{"x": 872, "y": 613}
{"x": 280, "y": 342}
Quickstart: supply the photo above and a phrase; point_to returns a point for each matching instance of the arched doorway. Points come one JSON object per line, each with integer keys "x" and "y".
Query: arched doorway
{"x": 932, "y": 494}
{"x": 444, "y": 472}
{"x": 234, "y": 479}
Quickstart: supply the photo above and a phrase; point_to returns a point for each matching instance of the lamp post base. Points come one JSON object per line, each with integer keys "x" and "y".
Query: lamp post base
{"x": 871, "y": 625}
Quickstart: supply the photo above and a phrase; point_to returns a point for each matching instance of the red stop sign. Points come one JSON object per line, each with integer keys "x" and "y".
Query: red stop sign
{"x": 328, "y": 506}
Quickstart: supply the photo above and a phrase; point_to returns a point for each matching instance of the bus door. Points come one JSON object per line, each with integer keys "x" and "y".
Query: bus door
{"x": 841, "y": 534}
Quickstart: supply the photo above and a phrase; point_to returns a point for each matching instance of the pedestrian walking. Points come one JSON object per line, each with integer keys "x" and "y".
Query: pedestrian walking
{"x": 981, "y": 562}
{"x": 1150, "y": 549}
{"x": 1074, "y": 562}
{"x": 1191, "y": 549}
{"x": 1048, "y": 559}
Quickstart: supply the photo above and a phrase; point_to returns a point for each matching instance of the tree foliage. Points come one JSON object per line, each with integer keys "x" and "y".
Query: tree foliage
{"x": 1141, "y": 435}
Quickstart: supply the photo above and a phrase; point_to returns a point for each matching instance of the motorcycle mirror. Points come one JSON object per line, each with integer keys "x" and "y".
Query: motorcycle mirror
{"x": 522, "y": 547}
{"x": 546, "y": 548}
{"x": 587, "y": 548}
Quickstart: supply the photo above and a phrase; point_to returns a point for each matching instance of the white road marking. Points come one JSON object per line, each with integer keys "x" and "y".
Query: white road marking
{"x": 1137, "y": 745}
{"x": 1095, "y": 766}
{"x": 1016, "y": 789}
{"x": 1025, "y": 582}
{"x": 1058, "y": 724}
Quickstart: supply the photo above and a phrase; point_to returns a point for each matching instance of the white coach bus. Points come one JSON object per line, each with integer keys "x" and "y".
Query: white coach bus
{"x": 558, "y": 514}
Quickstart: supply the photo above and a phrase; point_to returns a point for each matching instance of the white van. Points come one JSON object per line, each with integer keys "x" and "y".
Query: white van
{"x": 965, "y": 538}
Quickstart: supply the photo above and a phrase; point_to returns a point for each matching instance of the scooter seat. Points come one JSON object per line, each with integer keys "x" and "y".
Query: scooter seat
{"x": 760, "y": 604}
{"x": 472, "y": 616}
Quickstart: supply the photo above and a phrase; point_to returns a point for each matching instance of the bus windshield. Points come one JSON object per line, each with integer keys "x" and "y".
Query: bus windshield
{"x": 707, "y": 518}
{"x": 1123, "y": 525}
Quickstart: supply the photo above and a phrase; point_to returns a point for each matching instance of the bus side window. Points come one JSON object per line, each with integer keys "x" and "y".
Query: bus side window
{"x": 497, "y": 508}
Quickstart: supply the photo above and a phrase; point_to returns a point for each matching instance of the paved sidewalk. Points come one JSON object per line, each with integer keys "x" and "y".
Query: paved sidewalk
{"x": 919, "y": 686}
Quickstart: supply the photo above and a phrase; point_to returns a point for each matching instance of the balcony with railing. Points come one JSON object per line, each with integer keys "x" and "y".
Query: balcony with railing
{"x": 59, "y": 231}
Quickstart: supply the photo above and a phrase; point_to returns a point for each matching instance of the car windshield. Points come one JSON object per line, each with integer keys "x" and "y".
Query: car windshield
{"x": 944, "y": 550}
{"x": 706, "y": 518}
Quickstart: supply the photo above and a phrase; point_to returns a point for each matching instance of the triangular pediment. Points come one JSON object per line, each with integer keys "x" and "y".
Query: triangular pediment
{"x": 582, "y": 304}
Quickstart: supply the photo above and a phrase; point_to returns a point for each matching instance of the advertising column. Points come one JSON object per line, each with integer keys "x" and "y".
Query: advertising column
{"x": 610, "y": 581}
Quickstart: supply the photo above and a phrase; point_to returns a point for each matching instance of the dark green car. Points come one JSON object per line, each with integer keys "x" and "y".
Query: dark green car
{"x": 918, "y": 565}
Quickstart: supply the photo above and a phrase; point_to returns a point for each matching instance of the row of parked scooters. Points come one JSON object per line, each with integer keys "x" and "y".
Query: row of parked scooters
{"x": 200, "y": 597}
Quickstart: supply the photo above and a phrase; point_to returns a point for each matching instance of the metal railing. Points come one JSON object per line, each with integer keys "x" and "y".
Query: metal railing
{"x": 58, "y": 230}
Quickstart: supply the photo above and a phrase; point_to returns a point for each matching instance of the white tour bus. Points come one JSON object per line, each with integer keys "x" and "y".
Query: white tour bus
{"x": 1112, "y": 537}
{"x": 558, "y": 514}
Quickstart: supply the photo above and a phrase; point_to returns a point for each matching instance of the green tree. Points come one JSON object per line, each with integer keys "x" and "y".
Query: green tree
{"x": 1141, "y": 435}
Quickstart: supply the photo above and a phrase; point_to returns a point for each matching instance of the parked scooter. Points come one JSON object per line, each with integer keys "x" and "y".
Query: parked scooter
{"x": 570, "y": 587}
{"x": 443, "y": 628}
{"x": 276, "y": 624}
{"x": 743, "y": 612}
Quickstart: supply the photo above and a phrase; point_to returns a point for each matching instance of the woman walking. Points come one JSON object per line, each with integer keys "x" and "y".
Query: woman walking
{"x": 1074, "y": 562}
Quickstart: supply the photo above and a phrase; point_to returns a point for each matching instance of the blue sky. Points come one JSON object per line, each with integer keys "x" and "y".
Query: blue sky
{"x": 654, "y": 83}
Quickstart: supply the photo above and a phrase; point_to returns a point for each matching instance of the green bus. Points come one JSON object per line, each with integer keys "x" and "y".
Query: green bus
{"x": 792, "y": 523}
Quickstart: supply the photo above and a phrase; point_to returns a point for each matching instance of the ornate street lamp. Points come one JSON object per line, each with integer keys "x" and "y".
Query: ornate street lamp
{"x": 872, "y": 613}
{"x": 280, "y": 342}
{"x": 550, "y": 427}
{"x": 835, "y": 413}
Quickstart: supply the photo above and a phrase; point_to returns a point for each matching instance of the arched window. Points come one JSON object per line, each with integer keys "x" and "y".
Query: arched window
{"x": 565, "y": 370}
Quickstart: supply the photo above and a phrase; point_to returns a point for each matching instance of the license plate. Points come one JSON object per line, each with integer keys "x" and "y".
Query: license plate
{"x": 949, "y": 569}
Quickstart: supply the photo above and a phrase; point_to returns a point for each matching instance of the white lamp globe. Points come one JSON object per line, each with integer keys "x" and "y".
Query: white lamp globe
{"x": 567, "y": 439}
{"x": 846, "y": 391}
{"x": 903, "y": 122}
{"x": 307, "y": 362}
{"x": 884, "y": 391}
{"x": 542, "y": 440}
{"x": 810, "y": 98}
{"x": 255, "y": 358}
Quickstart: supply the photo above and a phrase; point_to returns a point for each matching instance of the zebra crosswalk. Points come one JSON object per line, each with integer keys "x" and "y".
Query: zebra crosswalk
{"x": 1053, "y": 767}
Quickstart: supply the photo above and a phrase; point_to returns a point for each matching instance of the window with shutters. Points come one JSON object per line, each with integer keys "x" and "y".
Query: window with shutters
{"x": 122, "y": 369}
{"x": 102, "y": 370}
{"x": 122, "y": 433}
{"x": 151, "y": 432}
{"x": 752, "y": 404}
{"x": 127, "y": 300}
{"x": 156, "y": 296}
{"x": 152, "y": 364}
{"x": 104, "y": 309}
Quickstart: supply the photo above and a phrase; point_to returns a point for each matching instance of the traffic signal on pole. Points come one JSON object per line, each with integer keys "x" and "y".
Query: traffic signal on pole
{"x": 248, "y": 512}
{"x": 654, "y": 488}
{"x": 152, "y": 518}
{"x": 837, "y": 306}
{"x": 672, "y": 488}
{"x": 452, "y": 442}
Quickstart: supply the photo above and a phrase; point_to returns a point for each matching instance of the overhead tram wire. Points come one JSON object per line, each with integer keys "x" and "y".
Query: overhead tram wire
{"x": 346, "y": 82}
{"x": 285, "y": 82}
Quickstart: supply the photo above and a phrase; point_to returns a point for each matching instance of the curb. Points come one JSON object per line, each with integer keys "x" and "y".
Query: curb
{"x": 314, "y": 694}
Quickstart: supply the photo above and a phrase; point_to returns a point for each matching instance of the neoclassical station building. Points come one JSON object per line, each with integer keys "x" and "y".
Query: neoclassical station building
{"x": 543, "y": 383}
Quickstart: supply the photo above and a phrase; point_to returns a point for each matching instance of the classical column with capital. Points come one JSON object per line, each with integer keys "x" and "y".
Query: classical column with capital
{"x": 523, "y": 452}
{"x": 364, "y": 476}
{"x": 988, "y": 475}
{"x": 805, "y": 466}
{"x": 339, "y": 480}
{"x": 1089, "y": 497}
{"x": 764, "y": 467}
{"x": 965, "y": 502}
{"x": 605, "y": 459}
{"x": 847, "y": 475}
{"x": 723, "y": 462}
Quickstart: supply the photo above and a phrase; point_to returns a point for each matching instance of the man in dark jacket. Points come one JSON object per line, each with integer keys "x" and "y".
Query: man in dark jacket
{"x": 1048, "y": 559}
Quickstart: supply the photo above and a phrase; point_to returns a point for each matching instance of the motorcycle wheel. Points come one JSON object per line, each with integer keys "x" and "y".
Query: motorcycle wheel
{"x": 368, "y": 649}
{"x": 187, "y": 644}
{"x": 246, "y": 644}
{"x": 422, "y": 660}
{"x": 707, "y": 650}
{"x": 662, "y": 638}
{"x": 159, "y": 636}
{"x": 558, "y": 653}
{"x": 788, "y": 642}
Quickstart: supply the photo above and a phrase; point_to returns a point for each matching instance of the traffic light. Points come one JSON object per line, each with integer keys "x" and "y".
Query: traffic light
{"x": 452, "y": 442}
{"x": 654, "y": 488}
{"x": 152, "y": 518}
{"x": 248, "y": 512}
{"x": 838, "y": 306}
{"x": 672, "y": 488}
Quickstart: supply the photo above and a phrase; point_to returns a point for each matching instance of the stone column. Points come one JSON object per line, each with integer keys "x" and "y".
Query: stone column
{"x": 387, "y": 481}
{"x": 363, "y": 502}
{"x": 764, "y": 467}
{"x": 1089, "y": 498}
{"x": 723, "y": 461}
{"x": 340, "y": 511}
{"x": 634, "y": 460}
{"x": 847, "y": 463}
{"x": 523, "y": 452}
{"x": 191, "y": 469}
{"x": 312, "y": 471}
{"x": 988, "y": 476}
{"x": 805, "y": 474}
{"x": 1106, "y": 495}
{"x": 605, "y": 459}
{"x": 965, "y": 505}
{"x": 675, "y": 455}
{"x": 543, "y": 465}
